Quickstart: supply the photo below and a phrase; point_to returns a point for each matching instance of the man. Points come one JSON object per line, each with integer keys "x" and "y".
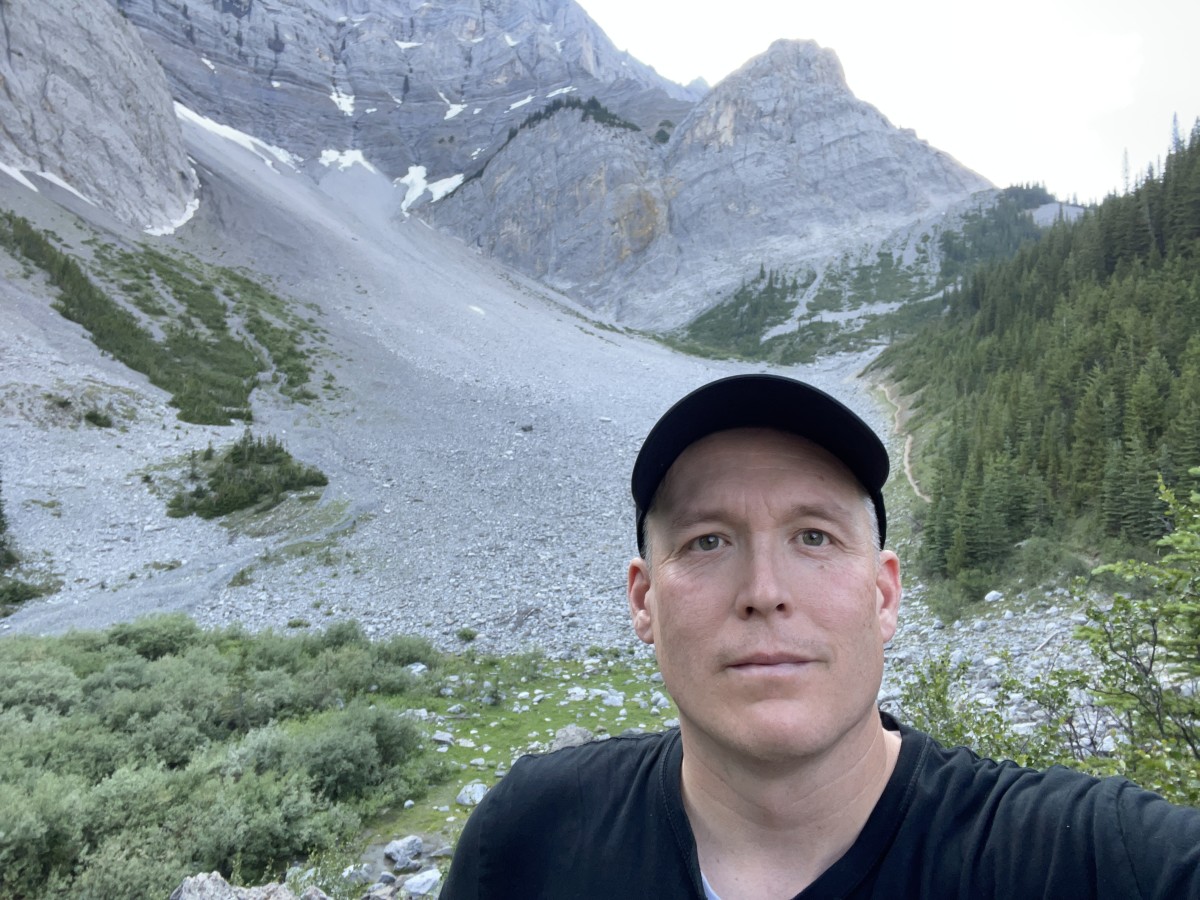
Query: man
{"x": 764, "y": 587}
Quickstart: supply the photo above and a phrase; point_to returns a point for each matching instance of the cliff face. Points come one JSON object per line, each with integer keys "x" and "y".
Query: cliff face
{"x": 85, "y": 104}
{"x": 778, "y": 164}
{"x": 406, "y": 82}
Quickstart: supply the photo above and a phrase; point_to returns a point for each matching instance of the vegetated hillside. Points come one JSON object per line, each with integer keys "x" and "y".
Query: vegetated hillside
{"x": 1060, "y": 384}
{"x": 874, "y": 293}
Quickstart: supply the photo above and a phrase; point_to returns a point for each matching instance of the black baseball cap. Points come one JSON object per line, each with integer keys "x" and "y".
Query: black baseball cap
{"x": 760, "y": 401}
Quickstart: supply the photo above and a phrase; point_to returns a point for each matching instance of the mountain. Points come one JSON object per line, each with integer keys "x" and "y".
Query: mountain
{"x": 407, "y": 83}
{"x": 650, "y": 213}
{"x": 84, "y": 103}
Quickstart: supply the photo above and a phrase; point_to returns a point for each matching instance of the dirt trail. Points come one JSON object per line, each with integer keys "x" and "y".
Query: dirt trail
{"x": 888, "y": 391}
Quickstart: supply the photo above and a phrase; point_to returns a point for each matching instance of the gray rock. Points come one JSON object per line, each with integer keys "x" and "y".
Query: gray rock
{"x": 423, "y": 884}
{"x": 571, "y": 736}
{"x": 404, "y": 850}
{"x": 212, "y": 886}
{"x": 86, "y": 102}
{"x": 471, "y": 794}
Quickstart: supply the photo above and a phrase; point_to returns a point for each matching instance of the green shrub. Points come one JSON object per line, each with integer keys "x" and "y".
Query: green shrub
{"x": 98, "y": 418}
{"x": 39, "y": 685}
{"x": 42, "y": 831}
{"x": 1145, "y": 687}
{"x": 153, "y": 637}
{"x": 134, "y": 757}
{"x": 251, "y": 472}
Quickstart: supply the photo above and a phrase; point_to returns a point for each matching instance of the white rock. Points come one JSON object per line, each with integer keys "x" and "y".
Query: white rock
{"x": 423, "y": 884}
{"x": 471, "y": 794}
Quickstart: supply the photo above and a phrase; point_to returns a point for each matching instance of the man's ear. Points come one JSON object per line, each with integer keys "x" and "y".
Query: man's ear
{"x": 638, "y": 590}
{"x": 887, "y": 594}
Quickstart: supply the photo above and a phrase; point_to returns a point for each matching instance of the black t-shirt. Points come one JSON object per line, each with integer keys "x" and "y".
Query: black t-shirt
{"x": 606, "y": 820}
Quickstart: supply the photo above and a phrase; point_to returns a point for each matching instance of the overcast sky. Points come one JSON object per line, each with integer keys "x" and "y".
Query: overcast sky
{"x": 1051, "y": 91}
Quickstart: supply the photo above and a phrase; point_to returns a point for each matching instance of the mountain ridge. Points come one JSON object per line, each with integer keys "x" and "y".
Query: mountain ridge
{"x": 780, "y": 164}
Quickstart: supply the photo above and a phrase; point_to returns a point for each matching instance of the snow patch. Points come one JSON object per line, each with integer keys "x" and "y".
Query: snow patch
{"x": 475, "y": 309}
{"x": 208, "y": 63}
{"x": 521, "y": 103}
{"x": 440, "y": 189}
{"x": 508, "y": 40}
{"x": 267, "y": 153}
{"x": 344, "y": 159}
{"x": 417, "y": 184}
{"x": 408, "y": 45}
{"x": 184, "y": 218}
{"x": 565, "y": 90}
{"x": 276, "y": 84}
{"x": 344, "y": 102}
{"x": 453, "y": 108}
{"x": 18, "y": 176}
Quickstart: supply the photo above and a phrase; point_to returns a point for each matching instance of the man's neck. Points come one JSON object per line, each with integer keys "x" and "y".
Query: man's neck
{"x": 769, "y": 829}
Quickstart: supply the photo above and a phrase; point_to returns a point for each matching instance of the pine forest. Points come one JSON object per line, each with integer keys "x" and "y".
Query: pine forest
{"x": 1061, "y": 384}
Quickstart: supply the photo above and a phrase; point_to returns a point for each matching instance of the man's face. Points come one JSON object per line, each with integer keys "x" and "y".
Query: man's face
{"x": 765, "y": 598}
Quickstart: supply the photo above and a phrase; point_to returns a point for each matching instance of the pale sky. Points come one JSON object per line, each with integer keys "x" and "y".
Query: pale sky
{"x": 1050, "y": 91}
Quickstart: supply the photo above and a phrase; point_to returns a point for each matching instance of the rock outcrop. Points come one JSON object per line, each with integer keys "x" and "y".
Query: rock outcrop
{"x": 85, "y": 105}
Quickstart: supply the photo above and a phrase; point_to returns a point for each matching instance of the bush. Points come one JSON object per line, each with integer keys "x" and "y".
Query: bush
{"x": 251, "y": 472}
{"x": 132, "y": 758}
{"x": 1138, "y": 714}
{"x": 98, "y": 418}
{"x": 153, "y": 637}
{"x": 42, "y": 832}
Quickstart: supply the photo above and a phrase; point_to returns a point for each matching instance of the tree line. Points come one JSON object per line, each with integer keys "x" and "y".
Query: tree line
{"x": 1061, "y": 383}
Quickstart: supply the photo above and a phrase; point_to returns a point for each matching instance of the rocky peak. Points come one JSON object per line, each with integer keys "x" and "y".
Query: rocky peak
{"x": 795, "y": 93}
{"x": 778, "y": 165}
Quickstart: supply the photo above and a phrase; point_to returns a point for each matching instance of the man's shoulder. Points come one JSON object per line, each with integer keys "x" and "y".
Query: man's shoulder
{"x": 562, "y": 791}
{"x": 958, "y": 781}
{"x": 624, "y": 757}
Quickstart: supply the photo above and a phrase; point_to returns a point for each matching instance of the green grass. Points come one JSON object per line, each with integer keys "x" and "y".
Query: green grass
{"x": 531, "y": 703}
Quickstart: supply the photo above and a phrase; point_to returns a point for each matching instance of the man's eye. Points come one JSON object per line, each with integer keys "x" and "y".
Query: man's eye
{"x": 707, "y": 542}
{"x": 813, "y": 538}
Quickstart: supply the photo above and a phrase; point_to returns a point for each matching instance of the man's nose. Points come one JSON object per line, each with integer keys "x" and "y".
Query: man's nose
{"x": 765, "y": 587}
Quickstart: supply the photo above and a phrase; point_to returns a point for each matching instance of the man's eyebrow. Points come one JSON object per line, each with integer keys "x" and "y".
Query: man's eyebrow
{"x": 831, "y": 512}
